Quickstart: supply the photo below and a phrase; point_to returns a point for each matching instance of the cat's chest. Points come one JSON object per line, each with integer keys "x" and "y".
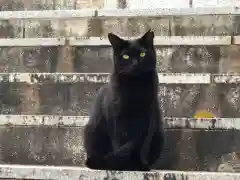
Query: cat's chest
{"x": 136, "y": 90}
{"x": 129, "y": 128}
{"x": 136, "y": 103}
{"x": 136, "y": 93}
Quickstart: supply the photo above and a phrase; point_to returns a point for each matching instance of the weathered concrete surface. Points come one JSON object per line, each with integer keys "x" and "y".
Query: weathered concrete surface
{"x": 79, "y": 121}
{"x": 76, "y": 173}
{"x": 176, "y": 59}
{"x": 96, "y": 59}
{"x": 76, "y": 99}
{"x": 64, "y": 146}
{"x": 194, "y": 25}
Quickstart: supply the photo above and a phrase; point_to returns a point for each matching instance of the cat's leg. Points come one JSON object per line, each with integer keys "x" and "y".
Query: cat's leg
{"x": 152, "y": 156}
{"x": 134, "y": 162}
{"x": 120, "y": 158}
{"x": 97, "y": 144}
{"x": 129, "y": 154}
{"x": 122, "y": 151}
{"x": 100, "y": 153}
{"x": 156, "y": 147}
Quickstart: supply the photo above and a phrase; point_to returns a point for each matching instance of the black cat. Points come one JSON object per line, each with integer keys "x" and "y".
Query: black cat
{"x": 125, "y": 130}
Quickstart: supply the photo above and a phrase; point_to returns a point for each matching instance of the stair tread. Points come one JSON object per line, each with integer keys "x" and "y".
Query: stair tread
{"x": 75, "y": 173}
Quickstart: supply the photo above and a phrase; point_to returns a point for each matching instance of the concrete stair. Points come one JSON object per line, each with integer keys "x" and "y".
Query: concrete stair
{"x": 76, "y": 173}
{"x": 43, "y": 112}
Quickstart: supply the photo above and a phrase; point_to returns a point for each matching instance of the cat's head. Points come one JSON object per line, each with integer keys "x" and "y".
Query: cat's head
{"x": 133, "y": 57}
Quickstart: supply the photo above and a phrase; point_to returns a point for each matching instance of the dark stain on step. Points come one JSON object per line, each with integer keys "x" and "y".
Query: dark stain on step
{"x": 172, "y": 176}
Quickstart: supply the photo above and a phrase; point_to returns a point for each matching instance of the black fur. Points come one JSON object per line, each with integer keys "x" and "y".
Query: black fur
{"x": 125, "y": 130}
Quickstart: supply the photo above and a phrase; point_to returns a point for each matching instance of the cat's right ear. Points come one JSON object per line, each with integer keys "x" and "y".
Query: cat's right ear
{"x": 116, "y": 41}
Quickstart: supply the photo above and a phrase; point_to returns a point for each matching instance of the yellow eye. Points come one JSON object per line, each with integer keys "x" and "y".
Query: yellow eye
{"x": 142, "y": 54}
{"x": 125, "y": 56}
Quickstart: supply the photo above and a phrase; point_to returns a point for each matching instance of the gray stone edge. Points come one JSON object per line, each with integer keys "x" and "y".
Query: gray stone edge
{"x": 76, "y": 173}
{"x": 164, "y": 78}
{"x": 78, "y": 121}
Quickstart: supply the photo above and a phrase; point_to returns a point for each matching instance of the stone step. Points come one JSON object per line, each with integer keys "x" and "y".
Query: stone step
{"x": 186, "y": 149}
{"x": 98, "y": 59}
{"x": 80, "y": 121}
{"x": 164, "y": 78}
{"x": 49, "y": 14}
{"x": 130, "y": 13}
{"x": 163, "y": 41}
{"x": 231, "y": 10}
{"x": 113, "y": 13}
{"x": 54, "y": 94}
{"x": 76, "y": 173}
{"x": 99, "y": 41}
{"x": 78, "y": 22}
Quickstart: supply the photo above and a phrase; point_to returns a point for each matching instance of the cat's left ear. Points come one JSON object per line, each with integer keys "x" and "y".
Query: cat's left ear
{"x": 148, "y": 37}
{"x": 116, "y": 42}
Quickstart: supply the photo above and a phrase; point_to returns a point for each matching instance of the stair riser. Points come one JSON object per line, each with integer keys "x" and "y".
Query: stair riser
{"x": 99, "y": 59}
{"x": 64, "y": 146}
{"x": 76, "y": 99}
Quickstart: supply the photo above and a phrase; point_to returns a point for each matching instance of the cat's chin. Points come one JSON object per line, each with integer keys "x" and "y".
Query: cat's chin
{"x": 138, "y": 73}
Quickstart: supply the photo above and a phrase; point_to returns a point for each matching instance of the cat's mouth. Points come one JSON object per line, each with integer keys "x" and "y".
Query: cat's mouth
{"x": 127, "y": 70}
{"x": 134, "y": 71}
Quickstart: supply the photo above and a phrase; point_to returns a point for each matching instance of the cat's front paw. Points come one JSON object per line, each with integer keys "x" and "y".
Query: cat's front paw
{"x": 144, "y": 169}
{"x": 92, "y": 164}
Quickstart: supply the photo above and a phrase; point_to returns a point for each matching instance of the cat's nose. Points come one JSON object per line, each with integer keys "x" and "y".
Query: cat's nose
{"x": 135, "y": 62}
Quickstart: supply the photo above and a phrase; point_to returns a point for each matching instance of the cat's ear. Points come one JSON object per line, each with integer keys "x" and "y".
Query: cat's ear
{"x": 148, "y": 37}
{"x": 116, "y": 41}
